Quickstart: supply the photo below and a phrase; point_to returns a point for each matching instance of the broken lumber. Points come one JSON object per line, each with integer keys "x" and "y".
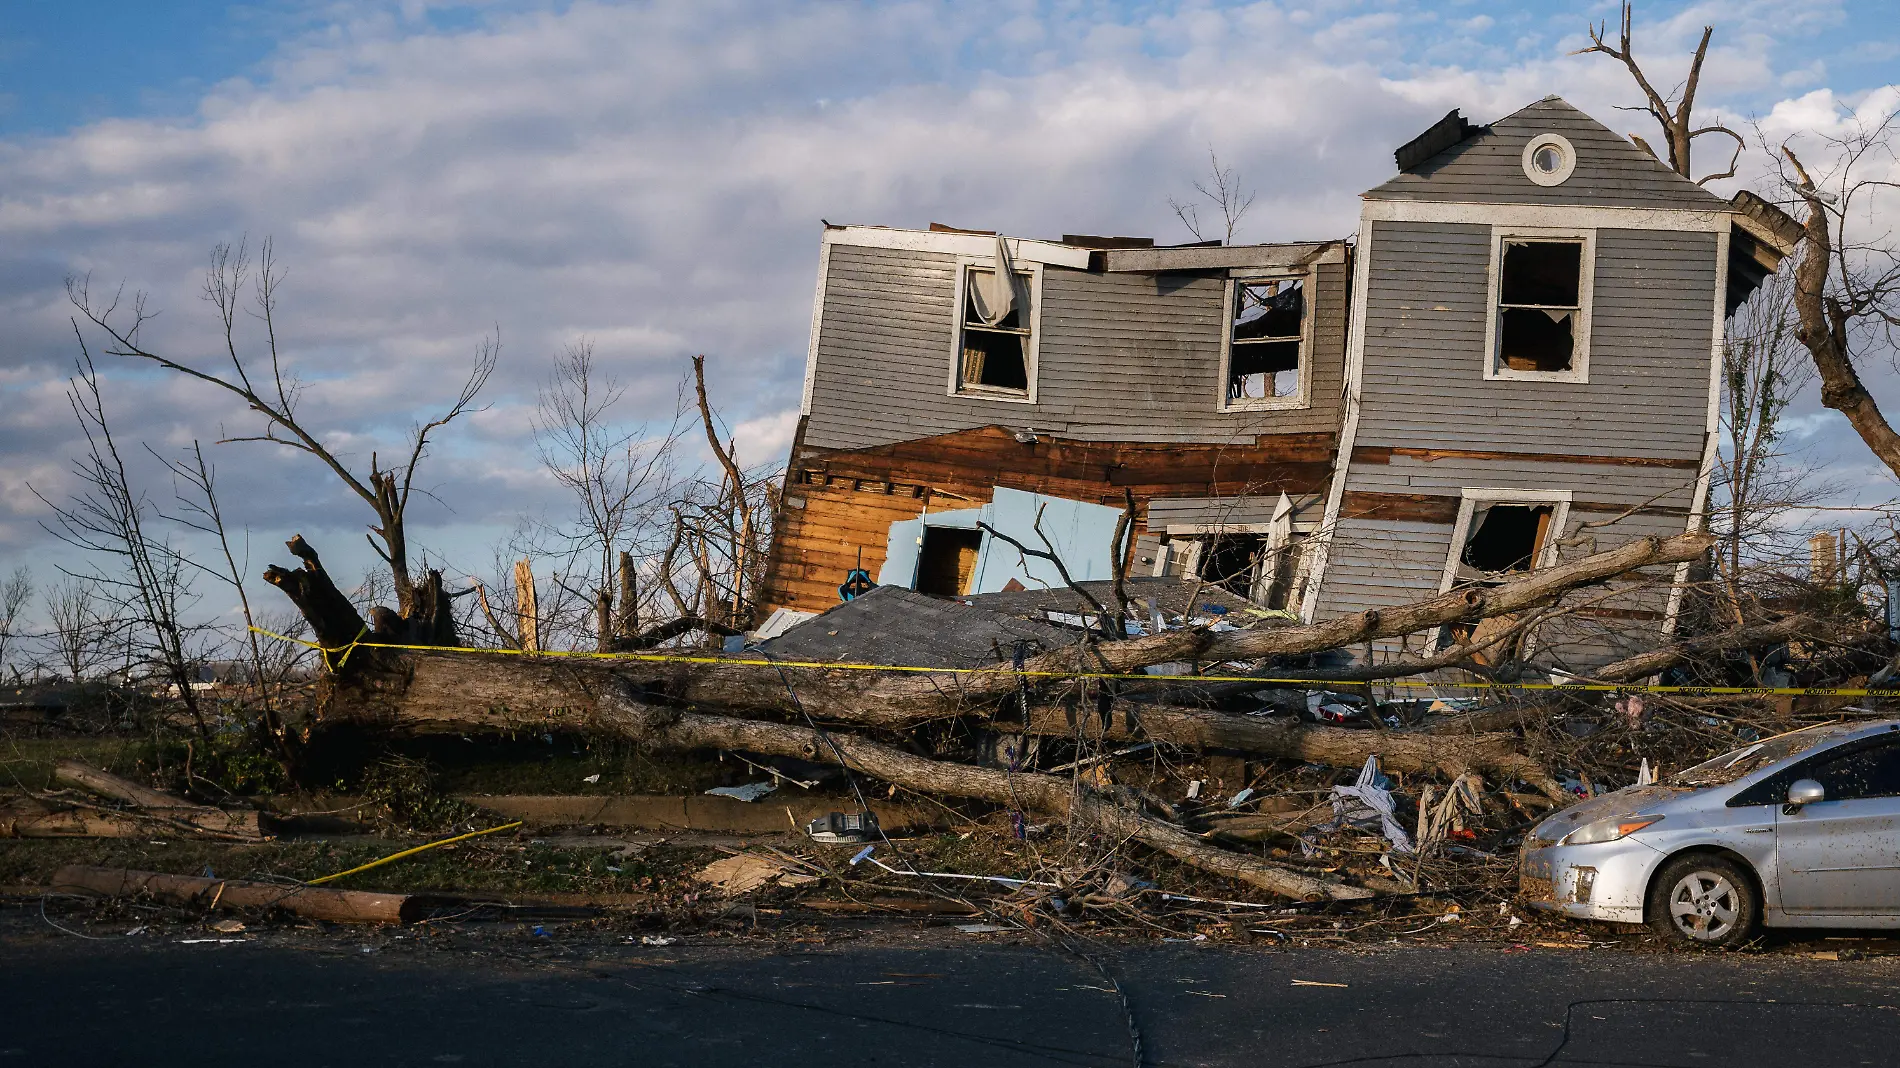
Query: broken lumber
{"x": 191, "y": 891}
{"x": 240, "y": 824}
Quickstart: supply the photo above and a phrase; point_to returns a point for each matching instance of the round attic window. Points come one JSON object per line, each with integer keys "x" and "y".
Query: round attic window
{"x": 1549, "y": 159}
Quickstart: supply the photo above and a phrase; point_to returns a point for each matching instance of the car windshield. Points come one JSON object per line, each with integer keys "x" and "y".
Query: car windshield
{"x": 1736, "y": 763}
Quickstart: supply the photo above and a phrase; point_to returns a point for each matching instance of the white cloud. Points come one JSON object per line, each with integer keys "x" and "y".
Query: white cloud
{"x": 652, "y": 176}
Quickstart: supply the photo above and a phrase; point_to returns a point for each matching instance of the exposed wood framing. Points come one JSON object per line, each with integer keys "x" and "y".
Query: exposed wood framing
{"x": 838, "y": 502}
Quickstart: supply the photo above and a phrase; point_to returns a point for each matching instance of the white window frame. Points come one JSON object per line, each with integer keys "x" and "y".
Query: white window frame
{"x": 1301, "y": 398}
{"x": 1472, "y": 496}
{"x": 955, "y": 387}
{"x": 1494, "y": 369}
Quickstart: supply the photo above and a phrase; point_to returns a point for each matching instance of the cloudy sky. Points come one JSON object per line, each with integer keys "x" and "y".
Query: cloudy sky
{"x": 652, "y": 176}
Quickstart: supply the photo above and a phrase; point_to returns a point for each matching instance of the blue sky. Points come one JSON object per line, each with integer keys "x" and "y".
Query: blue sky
{"x": 652, "y": 176}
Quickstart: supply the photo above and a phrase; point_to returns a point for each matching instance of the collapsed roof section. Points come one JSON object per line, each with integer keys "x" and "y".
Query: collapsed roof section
{"x": 1095, "y": 254}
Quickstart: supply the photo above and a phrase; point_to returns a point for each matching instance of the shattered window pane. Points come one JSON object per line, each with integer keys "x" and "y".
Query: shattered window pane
{"x": 1267, "y": 322}
{"x": 1539, "y": 302}
{"x": 1506, "y": 538}
{"x": 995, "y": 347}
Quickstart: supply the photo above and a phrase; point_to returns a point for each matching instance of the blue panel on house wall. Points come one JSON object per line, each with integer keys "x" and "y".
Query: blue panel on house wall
{"x": 900, "y": 553}
{"x": 961, "y": 519}
{"x": 1079, "y": 531}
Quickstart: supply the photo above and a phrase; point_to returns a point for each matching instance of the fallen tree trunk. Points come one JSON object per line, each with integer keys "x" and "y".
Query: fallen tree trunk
{"x": 190, "y": 891}
{"x": 1043, "y": 793}
{"x": 396, "y": 685}
{"x": 232, "y": 823}
{"x": 34, "y": 819}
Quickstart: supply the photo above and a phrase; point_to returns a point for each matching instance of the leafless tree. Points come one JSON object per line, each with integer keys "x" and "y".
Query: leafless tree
{"x": 196, "y": 493}
{"x": 15, "y": 594}
{"x": 721, "y": 529}
{"x": 78, "y": 630}
{"x": 1222, "y": 190}
{"x": 271, "y": 389}
{"x": 143, "y": 578}
{"x": 618, "y": 476}
{"x": 1763, "y": 368}
{"x": 1673, "y": 111}
{"x": 1847, "y": 284}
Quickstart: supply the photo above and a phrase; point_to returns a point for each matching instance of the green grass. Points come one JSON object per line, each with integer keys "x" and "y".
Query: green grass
{"x": 502, "y": 866}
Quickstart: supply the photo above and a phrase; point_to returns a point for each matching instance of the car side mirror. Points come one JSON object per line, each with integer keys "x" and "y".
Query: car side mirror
{"x": 1804, "y": 792}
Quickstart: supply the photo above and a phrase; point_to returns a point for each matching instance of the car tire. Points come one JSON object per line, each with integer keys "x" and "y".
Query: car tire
{"x": 1705, "y": 900}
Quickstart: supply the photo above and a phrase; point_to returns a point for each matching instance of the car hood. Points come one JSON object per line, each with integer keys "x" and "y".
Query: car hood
{"x": 1629, "y": 801}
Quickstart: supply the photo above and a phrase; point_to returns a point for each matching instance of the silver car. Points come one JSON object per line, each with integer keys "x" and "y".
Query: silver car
{"x": 1798, "y": 830}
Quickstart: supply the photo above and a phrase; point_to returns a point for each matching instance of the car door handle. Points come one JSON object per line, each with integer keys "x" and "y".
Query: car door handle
{"x": 1758, "y": 830}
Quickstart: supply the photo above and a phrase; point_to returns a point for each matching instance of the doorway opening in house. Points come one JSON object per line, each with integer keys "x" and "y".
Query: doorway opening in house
{"x": 946, "y": 563}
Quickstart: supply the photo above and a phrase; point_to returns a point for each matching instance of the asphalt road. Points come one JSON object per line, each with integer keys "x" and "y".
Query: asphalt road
{"x": 510, "y": 998}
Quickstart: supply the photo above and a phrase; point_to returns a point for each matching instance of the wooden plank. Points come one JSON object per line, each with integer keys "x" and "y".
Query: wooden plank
{"x": 1412, "y": 507}
{"x": 1381, "y": 454}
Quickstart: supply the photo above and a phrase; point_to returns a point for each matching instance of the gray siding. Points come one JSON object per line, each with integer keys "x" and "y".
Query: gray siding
{"x": 1424, "y": 388}
{"x": 1211, "y": 510}
{"x": 1650, "y": 337}
{"x": 1121, "y": 357}
{"x": 1375, "y": 563}
{"x": 1489, "y": 168}
{"x": 1599, "y": 483}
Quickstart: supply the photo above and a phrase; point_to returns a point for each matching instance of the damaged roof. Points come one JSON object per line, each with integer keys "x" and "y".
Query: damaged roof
{"x": 1485, "y": 165}
{"x": 1173, "y": 596}
{"x": 898, "y": 626}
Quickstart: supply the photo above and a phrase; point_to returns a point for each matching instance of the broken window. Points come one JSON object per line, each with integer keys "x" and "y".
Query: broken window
{"x": 994, "y": 353}
{"x": 1246, "y": 565}
{"x": 1503, "y": 539}
{"x": 1263, "y": 359}
{"x": 1540, "y": 305}
{"x": 946, "y": 562}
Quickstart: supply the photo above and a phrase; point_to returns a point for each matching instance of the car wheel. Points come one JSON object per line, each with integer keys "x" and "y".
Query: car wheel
{"x": 1704, "y": 900}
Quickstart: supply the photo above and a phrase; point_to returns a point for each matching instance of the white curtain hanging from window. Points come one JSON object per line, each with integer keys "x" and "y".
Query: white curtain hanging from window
{"x": 993, "y": 296}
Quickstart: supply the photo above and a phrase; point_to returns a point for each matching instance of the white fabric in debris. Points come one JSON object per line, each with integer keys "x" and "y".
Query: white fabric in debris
{"x": 1364, "y": 799}
{"x": 993, "y": 296}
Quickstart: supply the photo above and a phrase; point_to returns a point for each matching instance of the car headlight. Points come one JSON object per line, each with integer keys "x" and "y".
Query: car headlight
{"x": 1607, "y": 830}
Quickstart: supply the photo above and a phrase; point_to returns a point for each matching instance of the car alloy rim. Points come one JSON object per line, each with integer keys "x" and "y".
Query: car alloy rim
{"x": 1703, "y": 906}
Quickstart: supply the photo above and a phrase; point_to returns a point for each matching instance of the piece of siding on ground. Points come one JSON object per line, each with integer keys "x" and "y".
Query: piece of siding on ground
{"x": 1122, "y": 357}
{"x": 900, "y": 627}
{"x": 1489, "y": 168}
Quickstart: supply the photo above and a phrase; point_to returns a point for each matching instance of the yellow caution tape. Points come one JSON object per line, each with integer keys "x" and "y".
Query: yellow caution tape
{"x": 410, "y": 852}
{"x": 826, "y": 665}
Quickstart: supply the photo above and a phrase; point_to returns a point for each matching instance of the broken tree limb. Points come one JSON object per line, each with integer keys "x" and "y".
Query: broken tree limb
{"x": 238, "y": 823}
{"x": 190, "y": 891}
{"x": 1643, "y": 665}
{"x": 1404, "y": 751}
{"x": 1043, "y": 793}
{"x": 334, "y": 622}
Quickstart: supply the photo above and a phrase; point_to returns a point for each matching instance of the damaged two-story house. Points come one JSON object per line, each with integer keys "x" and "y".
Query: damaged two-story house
{"x": 1515, "y": 360}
